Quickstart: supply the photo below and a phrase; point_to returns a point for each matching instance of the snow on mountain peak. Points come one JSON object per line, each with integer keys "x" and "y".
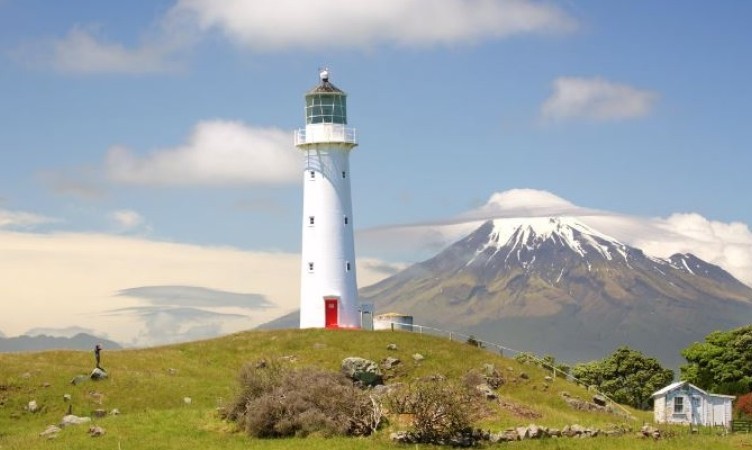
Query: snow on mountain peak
{"x": 530, "y": 232}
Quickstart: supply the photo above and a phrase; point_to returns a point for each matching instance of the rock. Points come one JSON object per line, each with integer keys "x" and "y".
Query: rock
{"x": 96, "y": 431}
{"x": 32, "y": 407}
{"x": 554, "y": 432}
{"x": 402, "y": 437}
{"x": 71, "y": 419}
{"x": 417, "y": 357}
{"x": 261, "y": 364}
{"x": 600, "y": 400}
{"x": 187, "y": 400}
{"x": 522, "y": 433}
{"x": 486, "y": 391}
{"x": 172, "y": 371}
{"x": 389, "y": 362}
{"x": 115, "y": 412}
{"x": 362, "y": 370}
{"x": 67, "y": 397}
{"x": 576, "y": 429}
{"x": 524, "y": 376}
{"x": 534, "y": 431}
{"x": 99, "y": 412}
{"x": 50, "y": 432}
{"x": 289, "y": 358}
{"x": 98, "y": 374}
{"x": 548, "y": 379}
{"x": 46, "y": 384}
{"x": 391, "y": 347}
{"x": 78, "y": 379}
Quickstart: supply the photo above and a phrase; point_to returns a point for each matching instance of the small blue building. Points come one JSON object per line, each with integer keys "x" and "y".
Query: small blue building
{"x": 685, "y": 403}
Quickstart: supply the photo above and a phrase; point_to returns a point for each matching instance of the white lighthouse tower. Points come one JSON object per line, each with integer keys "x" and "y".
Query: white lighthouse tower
{"x": 328, "y": 288}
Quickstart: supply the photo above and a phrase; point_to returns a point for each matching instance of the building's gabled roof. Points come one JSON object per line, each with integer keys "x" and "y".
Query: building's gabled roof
{"x": 678, "y": 384}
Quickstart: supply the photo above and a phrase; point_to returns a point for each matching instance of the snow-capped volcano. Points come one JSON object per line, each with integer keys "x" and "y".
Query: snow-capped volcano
{"x": 556, "y": 285}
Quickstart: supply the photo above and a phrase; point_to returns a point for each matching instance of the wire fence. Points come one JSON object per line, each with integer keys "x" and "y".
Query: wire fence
{"x": 502, "y": 350}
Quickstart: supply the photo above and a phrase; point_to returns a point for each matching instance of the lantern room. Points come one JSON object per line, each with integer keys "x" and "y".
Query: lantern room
{"x": 326, "y": 103}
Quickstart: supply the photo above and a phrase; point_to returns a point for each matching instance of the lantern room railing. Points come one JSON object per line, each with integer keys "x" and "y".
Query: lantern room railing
{"x": 323, "y": 133}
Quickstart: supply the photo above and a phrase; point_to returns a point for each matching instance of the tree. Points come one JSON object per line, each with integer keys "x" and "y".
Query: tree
{"x": 627, "y": 376}
{"x": 723, "y": 363}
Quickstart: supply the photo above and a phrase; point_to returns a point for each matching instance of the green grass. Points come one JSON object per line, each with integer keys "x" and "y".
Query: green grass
{"x": 148, "y": 387}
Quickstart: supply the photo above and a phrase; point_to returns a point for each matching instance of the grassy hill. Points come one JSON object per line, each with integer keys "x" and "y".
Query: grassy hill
{"x": 149, "y": 387}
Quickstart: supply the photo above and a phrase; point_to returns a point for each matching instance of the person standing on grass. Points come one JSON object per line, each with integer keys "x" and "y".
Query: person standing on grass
{"x": 97, "y": 355}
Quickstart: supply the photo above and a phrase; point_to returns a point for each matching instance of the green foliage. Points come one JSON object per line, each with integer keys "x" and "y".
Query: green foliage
{"x": 627, "y": 376}
{"x": 723, "y": 363}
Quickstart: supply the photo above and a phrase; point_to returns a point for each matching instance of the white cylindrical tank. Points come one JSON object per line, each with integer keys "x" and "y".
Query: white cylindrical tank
{"x": 393, "y": 321}
{"x": 329, "y": 292}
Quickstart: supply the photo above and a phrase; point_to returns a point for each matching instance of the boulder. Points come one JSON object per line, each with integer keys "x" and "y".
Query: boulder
{"x": 50, "y": 432}
{"x": 67, "y": 397}
{"x": 391, "y": 347}
{"x": 99, "y": 412}
{"x": 362, "y": 370}
{"x": 522, "y": 433}
{"x": 486, "y": 391}
{"x": 417, "y": 357}
{"x": 115, "y": 412}
{"x": 96, "y": 431}
{"x": 389, "y": 362}
{"x": 78, "y": 379}
{"x": 32, "y": 407}
{"x": 98, "y": 374}
{"x": 71, "y": 419}
{"x": 187, "y": 400}
{"x": 600, "y": 400}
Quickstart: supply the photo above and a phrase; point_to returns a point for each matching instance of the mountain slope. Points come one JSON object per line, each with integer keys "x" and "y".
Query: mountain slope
{"x": 81, "y": 341}
{"x": 555, "y": 285}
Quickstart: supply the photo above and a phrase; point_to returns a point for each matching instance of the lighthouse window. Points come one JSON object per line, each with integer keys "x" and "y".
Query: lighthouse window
{"x": 346, "y": 220}
{"x": 310, "y": 267}
{"x": 326, "y": 108}
{"x": 312, "y": 174}
{"x": 344, "y": 174}
{"x": 311, "y": 220}
{"x": 347, "y": 266}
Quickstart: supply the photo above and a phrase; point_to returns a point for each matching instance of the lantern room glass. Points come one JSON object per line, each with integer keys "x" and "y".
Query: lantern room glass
{"x": 326, "y": 108}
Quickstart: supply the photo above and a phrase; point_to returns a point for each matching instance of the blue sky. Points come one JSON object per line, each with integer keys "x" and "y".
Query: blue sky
{"x": 171, "y": 121}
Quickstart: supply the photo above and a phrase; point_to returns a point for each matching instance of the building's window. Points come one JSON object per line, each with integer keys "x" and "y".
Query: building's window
{"x": 346, "y": 221}
{"x": 312, "y": 174}
{"x": 310, "y": 267}
{"x": 347, "y": 266}
{"x": 311, "y": 220}
{"x": 678, "y": 405}
{"x": 344, "y": 174}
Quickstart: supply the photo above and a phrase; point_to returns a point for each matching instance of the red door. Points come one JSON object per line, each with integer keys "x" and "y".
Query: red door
{"x": 331, "y": 312}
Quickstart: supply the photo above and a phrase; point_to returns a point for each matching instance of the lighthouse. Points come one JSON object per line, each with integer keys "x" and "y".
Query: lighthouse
{"x": 328, "y": 287}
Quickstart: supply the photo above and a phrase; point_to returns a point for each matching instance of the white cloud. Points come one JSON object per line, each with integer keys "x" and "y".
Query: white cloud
{"x": 126, "y": 219}
{"x": 83, "y": 51}
{"x": 22, "y": 219}
{"x": 286, "y": 24}
{"x": 217, "y": 153}
{"x": 595, "y": 99}
{"x": 74, "y": 279}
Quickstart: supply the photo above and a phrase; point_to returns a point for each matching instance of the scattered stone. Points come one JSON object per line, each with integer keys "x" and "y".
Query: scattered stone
{"x": 67, "y": 397}
{"x": 485, "y": 390}
{"x": 98, "y": 374}
{"x": 95, "y": 431}
{"x": 115, "y": 412}
{"x": 32, "y": 407}
{"x": 261, "y": 364}
{"x": 71, "y": 419}
{"x": 99, "y": 412}
{"x": 46, "y": 384}
{"x": 172, "y": 371}
{"x": 389, "y": 362}
{"x": 289, "y": 358}
{"x": 187, "y": 400}
{"x": 362, "y": 370}
{"x": 417, "y": 357}
{"x": 78, "y": 379}
{"x": 548, "y": 379}
{"x": 522, "y": 433}
{"x": 391, "y": 347}
{"x": 600, "y": 400}
{"x": 524, "y": 376}
{"x": 50, "y": 432}
{"x": 648, "y": 431}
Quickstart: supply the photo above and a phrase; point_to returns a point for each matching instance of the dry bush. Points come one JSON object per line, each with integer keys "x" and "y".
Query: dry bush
{"x": 441, "y": 410}
{"x": 277, "y": 402}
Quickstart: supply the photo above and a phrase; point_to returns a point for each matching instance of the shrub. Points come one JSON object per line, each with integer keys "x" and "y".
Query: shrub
{"x": 440, "y": 410}
{"x": 743, "y": 406}
{"x": 277, "y": 402}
